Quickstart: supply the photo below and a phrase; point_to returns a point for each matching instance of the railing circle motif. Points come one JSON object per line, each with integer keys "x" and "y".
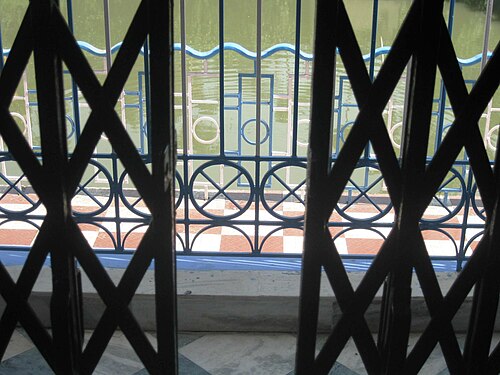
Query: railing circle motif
{"x": 290, "y": 195}
{"x": 211, "y": 121}
{"x": 392, "y": 130}
{"x": 263, "y": 139}
{"x": 489, "y": 135}
{"x": 372, "y": 178}
{"x": 238, "y": 174}
{"x": 134, "y": 205}
{"x": 206, "y": 248}
{"x": 83, "y": 188}
{"x": 476, "y": 203}
{"x": 24, "y": 202}
{"x": 269, "y": 235}
{"x": 445, "y": 201}
{"x": 300, "y": 122}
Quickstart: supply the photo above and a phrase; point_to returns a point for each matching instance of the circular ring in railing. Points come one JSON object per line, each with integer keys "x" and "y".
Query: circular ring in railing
{"x": 262, "y": 140}
{"x": 293, "y": 247}
{"x": 476, "y": 238}
{"x": 211, "y": 121}
{"x": 30, "y": 231}
{"x": 440, "y": 249}
{"x": 105, "y": 239}
{"x": 227, "y": 189}
{"x": 201, "y": 243}
{"x": 345, "y": 234}
{"x": 133, "y": 237}
{"x": 448, "y": 200}
{"x": 16, "y": 194}
{"x": 23, "y": 120}
{"x": 489, "y": 135}
{"x": 477, "y": 204}
{"x": 72, "y": 130}
{"x": 365, "y": 198}
{"x": 343, "y": 130}
{"x": 91, "y": 198}
{"x": 283, "y": 191}
{"x": 391, "y": 134}
{"x": 134, "y": 202}
{"x": 300, "y": 122}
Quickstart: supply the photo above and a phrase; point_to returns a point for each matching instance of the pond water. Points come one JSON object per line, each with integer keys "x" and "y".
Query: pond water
{"x": 240, "y": 26}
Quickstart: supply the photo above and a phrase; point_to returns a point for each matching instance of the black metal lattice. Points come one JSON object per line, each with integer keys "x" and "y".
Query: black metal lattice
{"x": 56, "y": 177}
{"x": 422, "y": 46}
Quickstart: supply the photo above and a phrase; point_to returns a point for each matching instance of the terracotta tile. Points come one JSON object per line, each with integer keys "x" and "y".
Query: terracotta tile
{"x": 273, "y": 245}
{"x": 195, "y": 228}
{"x": 293, "y": 232}
{"x": 436, "y": 235}
{"x": 235, "y": 244}
{"x": 88, "y": 227}
{"x": 17, "y": 236}
{"x": 133, "y": 240}
{"x": 363, "y": 246}
{"x": 103, "y": 241}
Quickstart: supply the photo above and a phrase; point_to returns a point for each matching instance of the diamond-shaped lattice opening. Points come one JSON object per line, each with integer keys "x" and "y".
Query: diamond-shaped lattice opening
{"x": 365, "y": 198}
{"x": 435, "y": 363}
{"x": 29, "y": 361}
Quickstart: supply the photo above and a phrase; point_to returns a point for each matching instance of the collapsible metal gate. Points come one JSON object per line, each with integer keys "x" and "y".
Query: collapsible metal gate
{"x": 424, "y": 43}
{"x": 56, "y": 176}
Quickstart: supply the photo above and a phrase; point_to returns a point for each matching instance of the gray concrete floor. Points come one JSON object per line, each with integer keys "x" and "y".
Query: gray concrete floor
{"x": 205, "y": 353}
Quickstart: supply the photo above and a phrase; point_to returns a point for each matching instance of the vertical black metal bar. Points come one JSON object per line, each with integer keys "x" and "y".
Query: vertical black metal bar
{"x": 185, "y": 131}
{"x": 1, "y": 50}
{"x": 416, "y": 128}
{"x": 442, "y": 91}
{"x": 163, "y": 153}
{"x": 107, "y": 34}
{"x": 147, "y": 85}
{"x": 373, "y": 43}
{"x": 65, "y": 299}
{"x": 296, "y": 76}
{"x": 487, "y": 28}
{"x": 258, "y": 85}
{"x": 221, "y": 79}
{"x": 258, "y": 115}
{"x": 316, "y": 219}
{"x": 486, "y": 293}
{"x": 74, "y": 87}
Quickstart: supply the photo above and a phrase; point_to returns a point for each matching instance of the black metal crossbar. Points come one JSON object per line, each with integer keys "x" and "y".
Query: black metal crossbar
{"x": 422, "y": 46}
{"x": 56, "y": 177}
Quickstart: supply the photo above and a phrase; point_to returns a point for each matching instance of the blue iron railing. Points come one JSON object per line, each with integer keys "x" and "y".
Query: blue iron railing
{"x": 241, "y": 186}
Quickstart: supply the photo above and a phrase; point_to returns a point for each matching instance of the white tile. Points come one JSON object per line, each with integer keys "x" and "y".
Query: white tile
{"x": 207, "y": 242}
{"x": 440, "y": 247}
{"x": 293, "y": 244}
{"x": 341, "y": 245}
{"x": 18, "y": 344}
{"x": 243, "y": 354}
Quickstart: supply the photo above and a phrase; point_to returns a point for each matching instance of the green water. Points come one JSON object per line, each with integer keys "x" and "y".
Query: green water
{"x": 240, "y": 26}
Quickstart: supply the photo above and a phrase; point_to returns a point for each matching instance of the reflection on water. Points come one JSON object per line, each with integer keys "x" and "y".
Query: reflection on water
{"x": 202, "y": 26}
